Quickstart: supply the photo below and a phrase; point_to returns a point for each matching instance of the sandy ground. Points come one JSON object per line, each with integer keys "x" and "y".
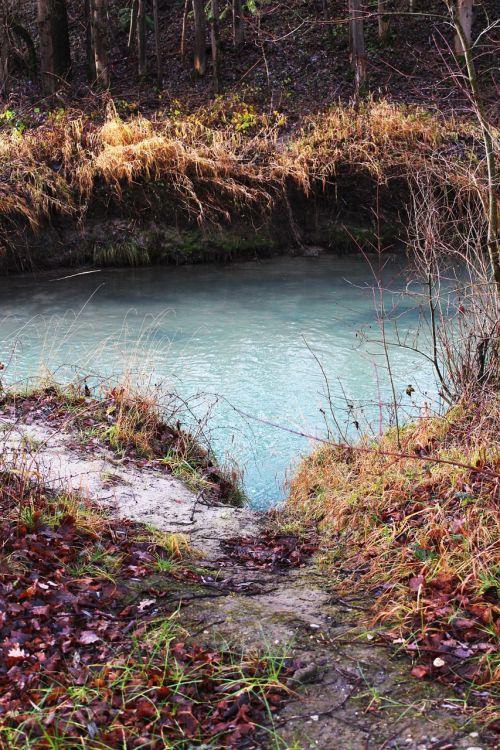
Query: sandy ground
{"x": 145, "y": 495}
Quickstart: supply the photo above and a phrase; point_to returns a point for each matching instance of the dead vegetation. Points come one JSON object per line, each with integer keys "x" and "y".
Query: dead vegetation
{"x": 93, "y": 654}
{"x": 211, "y": 165}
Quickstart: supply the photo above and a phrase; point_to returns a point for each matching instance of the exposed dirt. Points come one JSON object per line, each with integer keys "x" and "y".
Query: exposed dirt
{"x": 145, "y": 495}
{"x": 350, "y": 692}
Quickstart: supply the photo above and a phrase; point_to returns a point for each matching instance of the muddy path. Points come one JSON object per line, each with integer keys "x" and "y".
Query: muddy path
{"x": 351, "y": 693}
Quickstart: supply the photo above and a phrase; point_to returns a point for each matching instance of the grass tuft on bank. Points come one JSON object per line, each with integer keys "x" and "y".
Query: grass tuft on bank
{"x": 421, "y": 533}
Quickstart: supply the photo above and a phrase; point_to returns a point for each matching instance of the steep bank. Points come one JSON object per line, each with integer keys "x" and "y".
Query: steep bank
{"x": 115, "y": 191}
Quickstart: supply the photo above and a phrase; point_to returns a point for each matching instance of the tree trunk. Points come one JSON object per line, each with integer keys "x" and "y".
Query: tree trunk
{"x": 54, "y": 42}
{"x": 132, "y": 32}
{"x": 156, "y": 19}
{"x": 383, "y": 21}
{"x": 238, "y": 24}
{"x": 89, "y": 50}
{"x": 46, "y": 45}
{"x": 99, "y": 40}
{"x": 62, "y": 51}
{"x": 4, "y": 51}
{"x": 464, "y": 15}
{"x": 200, "y": 60}
{"x": 214, "y": 39}
{"x": 141, "y": 38}
{"x": 183, "y": 29}
{"x": 358, "y": 54}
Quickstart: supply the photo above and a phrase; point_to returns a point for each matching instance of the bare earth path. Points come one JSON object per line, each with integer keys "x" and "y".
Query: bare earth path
{"x": 351, "y": 694}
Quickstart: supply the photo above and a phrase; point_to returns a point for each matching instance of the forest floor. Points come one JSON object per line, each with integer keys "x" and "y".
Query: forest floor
{"x": 264, "y": 649}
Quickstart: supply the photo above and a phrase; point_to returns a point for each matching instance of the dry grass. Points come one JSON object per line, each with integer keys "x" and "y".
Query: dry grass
{"x": 210, "y": 167}
{"x": 391, "y": 523}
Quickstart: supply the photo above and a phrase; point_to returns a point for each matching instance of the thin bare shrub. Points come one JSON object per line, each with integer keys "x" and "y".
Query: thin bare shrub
{"x": 448, "y": 247}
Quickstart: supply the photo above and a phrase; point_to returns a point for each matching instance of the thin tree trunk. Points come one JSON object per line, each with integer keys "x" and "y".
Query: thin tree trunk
{"x": 99, "y": 40}
{"x": 358, "y": 54}
{"x": 200, "y": 60}
{"x": 46, "y": 45}
{"x": 183, "y": 29}
{"x": 132, "y": 31}
{"x": 214, "y": 39}
{"x": 4, "y": 51}
{"x": 464, "y": 14}
{"x": 60, "y": 33}
{"x": 383, "y": 21}
{"x": 89, "y": 50}
{"x": 156, "y": 20}
{"x": 238, "y": 24}
{"x": 141, "y": 37}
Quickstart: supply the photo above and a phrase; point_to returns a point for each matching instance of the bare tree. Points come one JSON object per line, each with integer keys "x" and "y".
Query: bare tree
{"x": 156, "y": 20}
{"x": 46, "y": 44}
{"x": 141, "y": 37}
{"x": 447, "y": 240}
{"x": 4, "y": 49}
{"x": 464, "y": 14}
{"x": 89, "y": 50}
{"x": 200, "y": 59}
{"x": 214, "y": 39}
{"x": 383, "y": 21}
{"x": 493, "y": 239}
{"x": 54, "y": 42}
{"x": 358, "y": 54}
{"x": 98, "y": 22}
{"x": 238, "y": 24}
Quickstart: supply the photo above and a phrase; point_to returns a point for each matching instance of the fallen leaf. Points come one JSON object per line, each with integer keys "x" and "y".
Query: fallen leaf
{"x": 87, "y": 637}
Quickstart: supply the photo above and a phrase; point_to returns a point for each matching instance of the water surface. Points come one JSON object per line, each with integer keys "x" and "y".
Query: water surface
{"x": 248, "y": 335}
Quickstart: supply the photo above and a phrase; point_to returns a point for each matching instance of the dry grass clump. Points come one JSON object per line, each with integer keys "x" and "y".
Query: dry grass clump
{"x": 424, "y": 535}
{"x": 31, "y": 188}
{"x": 380, "y": 138}
{"x": 207, "y": 170}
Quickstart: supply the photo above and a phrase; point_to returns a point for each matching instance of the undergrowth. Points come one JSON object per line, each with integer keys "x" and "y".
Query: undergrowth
{"x": 421, "y": 534}
{"x": 211, "y": 168}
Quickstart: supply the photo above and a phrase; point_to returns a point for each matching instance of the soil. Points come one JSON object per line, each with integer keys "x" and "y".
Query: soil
{"x": 351, "y": 692}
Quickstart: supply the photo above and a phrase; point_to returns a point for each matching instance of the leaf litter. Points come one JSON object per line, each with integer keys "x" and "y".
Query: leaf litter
{"x": 86, "y": 662}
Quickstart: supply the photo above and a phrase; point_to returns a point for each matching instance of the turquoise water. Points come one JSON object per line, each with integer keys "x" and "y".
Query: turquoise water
{"x": 232, "y": 339}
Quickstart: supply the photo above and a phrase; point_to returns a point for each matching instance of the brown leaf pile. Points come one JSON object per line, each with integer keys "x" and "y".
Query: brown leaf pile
{"x": 269, "y": 550}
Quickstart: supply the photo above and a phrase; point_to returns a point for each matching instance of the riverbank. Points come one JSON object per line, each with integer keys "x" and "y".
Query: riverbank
{"x": 413, "y": 518}
{"x": 248, "y": 645}
{"x": 121, "y": 189}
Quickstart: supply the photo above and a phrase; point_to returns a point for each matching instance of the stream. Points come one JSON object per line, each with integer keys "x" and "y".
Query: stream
{"x": 293, "y": 341}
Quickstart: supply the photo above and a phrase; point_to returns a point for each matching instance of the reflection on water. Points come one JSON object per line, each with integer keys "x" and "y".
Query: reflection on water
{"x": 246, "y": 332}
